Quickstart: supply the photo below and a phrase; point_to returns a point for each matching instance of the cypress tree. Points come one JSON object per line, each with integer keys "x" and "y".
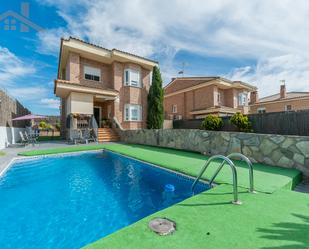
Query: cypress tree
{"x": 155, "y": 114}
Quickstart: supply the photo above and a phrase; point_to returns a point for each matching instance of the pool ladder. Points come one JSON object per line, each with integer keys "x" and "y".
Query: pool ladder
{"x": 227, "y": 159}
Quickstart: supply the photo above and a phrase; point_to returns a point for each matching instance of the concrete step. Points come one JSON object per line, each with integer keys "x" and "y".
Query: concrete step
{"x": 107, "y": 135}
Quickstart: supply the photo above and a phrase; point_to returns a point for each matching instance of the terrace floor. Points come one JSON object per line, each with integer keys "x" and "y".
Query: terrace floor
{"x": 275, "y": 217}
{"x": 11, "y": 152}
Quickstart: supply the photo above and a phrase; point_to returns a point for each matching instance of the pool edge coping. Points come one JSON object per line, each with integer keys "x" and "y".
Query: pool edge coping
{"x": 162, "y": 168}
{"x": 26, "y": 158}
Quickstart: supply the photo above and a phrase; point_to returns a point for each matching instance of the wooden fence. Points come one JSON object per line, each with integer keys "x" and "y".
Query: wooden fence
{"x": 284, "y": 123}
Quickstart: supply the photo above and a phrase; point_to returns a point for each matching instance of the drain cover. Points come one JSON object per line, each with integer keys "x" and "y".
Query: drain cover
{"x": 162, "y": 226}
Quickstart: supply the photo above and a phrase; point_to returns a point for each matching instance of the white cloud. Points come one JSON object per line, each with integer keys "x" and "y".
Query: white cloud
{"x": 268, "y": 73}
{"x": 51, "y": 103}
{"x": 49, "y": 41}
{"x": 270, "y": 32}
{"x": 12, "y": 67}
{"x": 27, "y": 93}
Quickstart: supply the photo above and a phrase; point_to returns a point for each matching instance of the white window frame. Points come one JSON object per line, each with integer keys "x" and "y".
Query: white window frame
{"x": 174, "y": 108}
{"x": 261, "y": 110}
{"x": 219, "y": 97}
{"x": 242, "y": 98}
{"x": 128, "y": 80}
{"x": 128, "y": 108}
{"x": 286, "y": 108}
{"x": 93, "y": 73}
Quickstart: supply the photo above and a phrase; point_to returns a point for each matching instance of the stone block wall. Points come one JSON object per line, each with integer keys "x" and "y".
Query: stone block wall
{"x": 276, "y": 150}
{"x": 10, "y": 108}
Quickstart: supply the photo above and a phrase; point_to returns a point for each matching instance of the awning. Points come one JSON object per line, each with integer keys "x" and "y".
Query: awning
{"x": 28, "y": 117}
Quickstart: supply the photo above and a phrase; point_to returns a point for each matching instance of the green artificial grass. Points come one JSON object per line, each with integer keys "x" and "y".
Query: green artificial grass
{"x": 208, "y": 220}
{"x": 266, "y": 178}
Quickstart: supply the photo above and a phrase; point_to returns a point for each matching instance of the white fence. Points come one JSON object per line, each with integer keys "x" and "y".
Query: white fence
{"x": 9, "y": 135}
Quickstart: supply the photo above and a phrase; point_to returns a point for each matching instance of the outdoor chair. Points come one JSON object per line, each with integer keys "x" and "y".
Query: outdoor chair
{"x": 89, "y": 136}
{"x": 24, "y": 140}
{"x": 31, "y": 137}
{"x": 76, "y": 136}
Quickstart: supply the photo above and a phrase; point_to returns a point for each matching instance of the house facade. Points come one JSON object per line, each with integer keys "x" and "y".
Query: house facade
{"x": 282, "y": 101}
{"x": 106, "y": 84}
{"x": 196, "y": 97}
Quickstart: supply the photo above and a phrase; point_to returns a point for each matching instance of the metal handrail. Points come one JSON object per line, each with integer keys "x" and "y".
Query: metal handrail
{"x": 234, "y": 172}
{"x": 250, "y": 166}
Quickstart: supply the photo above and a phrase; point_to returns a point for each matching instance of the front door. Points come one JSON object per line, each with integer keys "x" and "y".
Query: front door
{"x": 97, "y": 114}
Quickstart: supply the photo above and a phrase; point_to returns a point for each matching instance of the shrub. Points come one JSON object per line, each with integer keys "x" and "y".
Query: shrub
{"x": 241, "y": 122}
{"x": 42, "y": 125}
{"x": 212, "y": 122}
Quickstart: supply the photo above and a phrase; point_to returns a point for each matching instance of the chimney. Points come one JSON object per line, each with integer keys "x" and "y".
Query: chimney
{"x": 282, "y": 90}
{"x": 254, "y": 97}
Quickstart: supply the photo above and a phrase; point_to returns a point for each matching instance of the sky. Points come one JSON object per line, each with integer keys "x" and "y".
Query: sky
{"x": 258, "y": 41}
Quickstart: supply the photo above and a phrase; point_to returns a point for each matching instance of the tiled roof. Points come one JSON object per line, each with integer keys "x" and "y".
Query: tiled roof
{"x": 110, "y": 50}
{"x": 183, "y": 83}
{"x": 186, "y": 82}
{"x": 289, "y": 95}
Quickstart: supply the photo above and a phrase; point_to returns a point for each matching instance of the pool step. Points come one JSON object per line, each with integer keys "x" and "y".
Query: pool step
{"x": 107, "y": 135}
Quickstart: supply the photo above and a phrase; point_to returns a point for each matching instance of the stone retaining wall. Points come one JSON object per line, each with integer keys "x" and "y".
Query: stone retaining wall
{"x": 276, "y": 150}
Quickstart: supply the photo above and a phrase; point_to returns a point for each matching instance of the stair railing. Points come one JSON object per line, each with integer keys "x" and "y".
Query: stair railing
{"x": 234, "y": 174}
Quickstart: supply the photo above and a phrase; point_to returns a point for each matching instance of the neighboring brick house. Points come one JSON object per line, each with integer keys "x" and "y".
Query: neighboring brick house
{"x": 282, "y": 101}
{"x": 105, "y": 83}
{"x": 196, "y": 97}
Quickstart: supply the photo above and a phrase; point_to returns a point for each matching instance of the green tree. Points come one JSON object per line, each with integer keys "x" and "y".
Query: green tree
{"x": 155, "y": 114}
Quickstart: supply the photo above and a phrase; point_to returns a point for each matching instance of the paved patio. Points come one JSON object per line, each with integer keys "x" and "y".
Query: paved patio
{"x": 12, "y": 152}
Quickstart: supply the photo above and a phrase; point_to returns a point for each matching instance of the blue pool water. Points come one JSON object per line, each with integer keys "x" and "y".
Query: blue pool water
{"x": 68, "y": 202}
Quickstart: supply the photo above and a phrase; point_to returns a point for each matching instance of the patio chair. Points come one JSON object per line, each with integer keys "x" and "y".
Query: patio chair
{"x": 31, "y": 137}
{"x": 89, "y": 136}
{"x": 24, "y": 140}
{"x": 76, "y": 136}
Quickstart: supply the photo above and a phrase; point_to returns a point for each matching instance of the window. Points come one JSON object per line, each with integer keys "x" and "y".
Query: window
{"x": 174, "y": 108}
{"x": 261, "y": 110}
{"x": 133, "y": 112}
{"x": 92, "y": 73}
{"x": 219, "y": 98}
{"x": 288, "y": 108}
{"x": 132, "y": 78}
{"x": 242, "y": 98}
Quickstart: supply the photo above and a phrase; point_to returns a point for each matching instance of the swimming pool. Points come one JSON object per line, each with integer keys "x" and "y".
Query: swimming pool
{"x": 70, "y": 201}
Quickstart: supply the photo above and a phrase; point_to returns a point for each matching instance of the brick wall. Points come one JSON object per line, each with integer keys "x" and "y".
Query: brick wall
{"x": 200, "y": 99}
{"x": 112, "y": 78}
{"x": 130, "y": 95}
{"x": 106, "y": 74}
{"x": 279, "y": 106}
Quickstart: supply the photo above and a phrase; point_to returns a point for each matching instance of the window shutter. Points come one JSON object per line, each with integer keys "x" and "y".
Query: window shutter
{"x": 126, "y": 77}
{"x": 127, "y": 112}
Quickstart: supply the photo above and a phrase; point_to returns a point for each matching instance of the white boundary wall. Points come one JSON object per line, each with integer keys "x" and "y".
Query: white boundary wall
{"x": 9, "y": 135}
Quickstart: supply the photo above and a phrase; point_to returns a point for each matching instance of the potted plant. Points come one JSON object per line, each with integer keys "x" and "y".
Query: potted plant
{"x": 106, "y": 123}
